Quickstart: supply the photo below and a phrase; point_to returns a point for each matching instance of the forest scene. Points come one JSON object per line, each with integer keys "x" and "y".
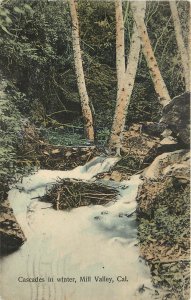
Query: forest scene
{"x": 95, "y": 149}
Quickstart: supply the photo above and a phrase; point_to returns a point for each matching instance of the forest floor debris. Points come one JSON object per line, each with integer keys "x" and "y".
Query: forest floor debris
{"x": 37, "y": 151}
{"x": 164, "y": 235}
{"x": 68, "y": 194}
{"x": 136, "y": 146}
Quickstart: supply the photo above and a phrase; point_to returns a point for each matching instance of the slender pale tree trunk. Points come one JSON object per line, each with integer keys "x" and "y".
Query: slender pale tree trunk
{"x": 120, "y": 44}
{"x": 127, "y": 85}
{"x": 85, "y": 103}
{"x": 189, "y": 38}
{"x": 180, "y": 42}
{"x": 159, "y": 84}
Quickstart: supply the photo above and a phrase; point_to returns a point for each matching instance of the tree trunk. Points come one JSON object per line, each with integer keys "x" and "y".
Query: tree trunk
{"x": 120, "y": 45}
{"x": 180, "y": 42}
{"x": 158, "y": 81}
{"x": 85, "y": 103}
{"x": 189, "y": 38}
{"x": 127, "y": 86}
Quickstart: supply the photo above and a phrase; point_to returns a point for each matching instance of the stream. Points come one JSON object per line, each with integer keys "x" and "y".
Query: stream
{"x": 87, "y": 253}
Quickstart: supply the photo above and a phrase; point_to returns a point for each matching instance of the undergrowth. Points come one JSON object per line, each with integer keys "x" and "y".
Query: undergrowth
{"x": 164, "y": 238}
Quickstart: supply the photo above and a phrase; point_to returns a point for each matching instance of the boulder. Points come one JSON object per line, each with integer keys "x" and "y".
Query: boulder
{"x": 167, "y": 144}
{"x": 11, "y": 235}
{"x": 176, "y": 115}
{"x": 153, "y": 128}
{"x": 167, "y": 170}
{"x": 176, "y": 164}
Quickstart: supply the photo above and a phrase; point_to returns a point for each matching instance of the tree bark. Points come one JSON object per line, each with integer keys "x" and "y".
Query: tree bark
{"x": 120, "y": 44}
{"x": 85, "y": 103}
{"x": 127, "y": 85}
{"x": 180, "y": 42}
{"x": 156, "y": 76}
{"x": 189, "y": 38}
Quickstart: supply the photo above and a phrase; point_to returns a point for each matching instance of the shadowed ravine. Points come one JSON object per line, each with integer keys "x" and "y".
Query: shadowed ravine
{"x": 86, "y": 241}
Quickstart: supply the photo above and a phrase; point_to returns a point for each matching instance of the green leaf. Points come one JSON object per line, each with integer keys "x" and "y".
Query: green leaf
{"x": 18, "y": 10}
{"x": 8, "y": 20}
{"x": 28, "y": 7}
{"x": 5, "y": 29}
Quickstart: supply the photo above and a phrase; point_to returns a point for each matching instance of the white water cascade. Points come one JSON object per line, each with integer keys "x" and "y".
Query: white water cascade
{"x": 94, "y": 246}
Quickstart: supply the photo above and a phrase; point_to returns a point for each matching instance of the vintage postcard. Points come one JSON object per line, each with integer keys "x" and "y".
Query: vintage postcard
{"x": 94, "y": 150}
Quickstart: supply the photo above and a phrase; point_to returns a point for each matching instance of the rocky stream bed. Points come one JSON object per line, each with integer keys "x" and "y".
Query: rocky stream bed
{"x": 141, "y": 217}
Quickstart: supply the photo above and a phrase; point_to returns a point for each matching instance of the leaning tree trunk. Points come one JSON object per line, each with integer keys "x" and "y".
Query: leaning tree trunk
{"x": 180, "y": 42}
{"x": 120, "y": 44}
{"x": 159, "y": 84}
{"x": 127, "y": 85}
{"x": 85, "y": 103}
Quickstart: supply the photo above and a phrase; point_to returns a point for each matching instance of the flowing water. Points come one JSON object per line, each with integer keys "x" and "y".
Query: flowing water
{"x": 88, "y": 253}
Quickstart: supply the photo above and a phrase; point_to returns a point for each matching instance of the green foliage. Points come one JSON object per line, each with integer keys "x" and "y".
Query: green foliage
{"x": 67, "y": 136}
{"x": 169, "y": 226}
{"x": 144, "y": 104}
{"x": 172, "y": 279}
{"x": 21, "y": 102}
{"x": 103, "y": 135}
{"x": 97, "y": 32}
{"x": 60, "y": 137}
{"x": 12, "y": 135}
{"x": 101, "y": 84}
{"x": 10, "y": 125}
{"x": 36, "y": 55}
{"x": 170, "y": 217}
{"x": 5, "y": 20}
{"x": 161, "y": 32}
